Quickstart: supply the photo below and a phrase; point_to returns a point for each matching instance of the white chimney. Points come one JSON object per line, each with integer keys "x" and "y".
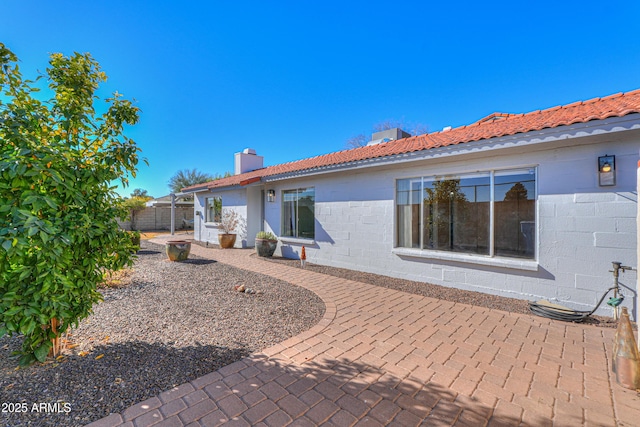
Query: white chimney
{"x": 247, "y": 161}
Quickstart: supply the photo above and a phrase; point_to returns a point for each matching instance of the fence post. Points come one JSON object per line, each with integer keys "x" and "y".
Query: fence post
{"x": 173, "y": 214}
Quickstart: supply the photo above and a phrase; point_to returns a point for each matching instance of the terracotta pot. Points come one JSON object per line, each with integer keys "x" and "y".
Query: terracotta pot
{"x": 266, "y": 247}
{"x": 178, "y": 250}
{"x": 226, "y": 240}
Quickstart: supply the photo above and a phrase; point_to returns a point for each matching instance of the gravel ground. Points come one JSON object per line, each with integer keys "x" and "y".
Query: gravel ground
{"x": 479, "y": 299}
{"x": 173, "y": 323}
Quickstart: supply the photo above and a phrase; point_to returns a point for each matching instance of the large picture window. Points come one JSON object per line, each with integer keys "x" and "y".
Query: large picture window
{"x": 213, "y": 209}
{"x": 298, "y": 213}
{"x": 462, "y": 213}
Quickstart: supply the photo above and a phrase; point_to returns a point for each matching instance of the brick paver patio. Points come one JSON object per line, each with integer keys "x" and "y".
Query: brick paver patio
{"x": 385, "y": 357}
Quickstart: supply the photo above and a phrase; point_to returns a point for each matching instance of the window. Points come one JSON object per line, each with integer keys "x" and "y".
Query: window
{"x": 298, "y": 213}
{"x": 461, "y": 213}
{"x": 213, "y": 209}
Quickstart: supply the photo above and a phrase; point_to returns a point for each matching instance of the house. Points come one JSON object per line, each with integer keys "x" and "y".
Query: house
{"x": 529, "y": 206}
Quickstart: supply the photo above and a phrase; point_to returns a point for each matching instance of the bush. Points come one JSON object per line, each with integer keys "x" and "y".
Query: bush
{"x": 58, "y": 205}
{"x": 135, "y": 240}
{"x": 267, "y": 235}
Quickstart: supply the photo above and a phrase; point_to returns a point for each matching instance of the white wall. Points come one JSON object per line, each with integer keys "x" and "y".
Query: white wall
{"x": 231, "y": 199}
{"x": 254, "y": 214}
{"x": 581, "y": 227}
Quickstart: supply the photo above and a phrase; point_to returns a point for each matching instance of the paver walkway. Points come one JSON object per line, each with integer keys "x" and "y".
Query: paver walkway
{"x": 385, "y": 357}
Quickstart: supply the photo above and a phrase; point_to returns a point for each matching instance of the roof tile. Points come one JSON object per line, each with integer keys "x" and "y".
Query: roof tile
{"x": 491, "y": 126}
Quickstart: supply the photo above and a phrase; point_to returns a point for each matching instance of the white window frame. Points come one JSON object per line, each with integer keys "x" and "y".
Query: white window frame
{"x": 297, "y": 238}
{"x": 208, "y": 220}
{"x": 530, "y": 264}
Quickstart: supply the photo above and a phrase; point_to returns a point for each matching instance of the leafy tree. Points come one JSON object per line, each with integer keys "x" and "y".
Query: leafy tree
{"x": 440, "y": 201}
{"x": 58, "y": 210}
{"x": 139, "y": 192}
{"x": 516, "y": 192}
{"x": 135, "y": 205}
{"x": 185, "y": 178}
{"x": 445, "y": 191}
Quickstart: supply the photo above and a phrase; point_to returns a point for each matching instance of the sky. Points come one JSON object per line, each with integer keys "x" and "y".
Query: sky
{"x": 296, "y": 79}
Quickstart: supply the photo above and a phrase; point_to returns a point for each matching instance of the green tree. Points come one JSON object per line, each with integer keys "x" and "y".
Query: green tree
{"x": 516, "y": 192}
{"x": 443, "y": 202}
{"x": 139, "y": 192}
{"x": 185, "y": 178}
{"x": 58, "y": 210}
{"x": 135, "y": 205}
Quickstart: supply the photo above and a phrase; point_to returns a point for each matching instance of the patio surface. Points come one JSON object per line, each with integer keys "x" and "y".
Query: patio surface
{"x": 385, "y": 357}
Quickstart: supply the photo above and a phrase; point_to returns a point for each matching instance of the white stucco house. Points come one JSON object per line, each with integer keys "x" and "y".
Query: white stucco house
{"x": 529, "y": 206}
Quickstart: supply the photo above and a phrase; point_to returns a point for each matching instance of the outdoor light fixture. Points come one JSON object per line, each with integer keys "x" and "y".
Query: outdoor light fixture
{"x": 271, "y": 195}
{"x": 606, "y": 170}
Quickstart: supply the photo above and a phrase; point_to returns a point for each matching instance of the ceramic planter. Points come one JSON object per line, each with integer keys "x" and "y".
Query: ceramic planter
{"x": 178, "y": 250}
{"x": 226, "y": 240}
{"x": 266, "y": 247}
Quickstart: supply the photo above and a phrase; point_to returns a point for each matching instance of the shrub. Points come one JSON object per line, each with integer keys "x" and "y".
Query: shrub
{"x": 229, "y": 221}
{"x": 135, "y": 240}
{"x": 267, "y": 235}
{"x": 58, "y": 205}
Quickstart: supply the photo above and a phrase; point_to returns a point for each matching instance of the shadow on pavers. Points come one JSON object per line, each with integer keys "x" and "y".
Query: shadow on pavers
{"x": 126, "y": 374}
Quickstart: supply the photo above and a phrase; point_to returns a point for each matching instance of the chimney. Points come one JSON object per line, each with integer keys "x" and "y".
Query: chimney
{"x": 247, "y": 161}
{"x": 388, "y": 135}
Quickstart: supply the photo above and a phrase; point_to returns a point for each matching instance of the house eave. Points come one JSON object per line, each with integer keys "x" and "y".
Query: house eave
{"x": 596, "y": 127}
{"x": 193, "y": 190}
{"x": 611, "y": 125}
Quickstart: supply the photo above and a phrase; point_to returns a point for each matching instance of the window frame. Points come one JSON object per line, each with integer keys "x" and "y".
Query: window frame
{"x": 526, "y": 263}
{"x": 206, "y": 210}
{"x": 296, "y": 228}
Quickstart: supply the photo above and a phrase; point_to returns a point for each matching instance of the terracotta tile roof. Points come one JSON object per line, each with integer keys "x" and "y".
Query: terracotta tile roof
{"x": 494, "y": 125}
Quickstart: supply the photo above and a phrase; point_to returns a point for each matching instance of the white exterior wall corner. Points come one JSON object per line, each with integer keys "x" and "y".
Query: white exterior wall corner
{"x": 207, "y": 232}
{"x": 581, "y": 227}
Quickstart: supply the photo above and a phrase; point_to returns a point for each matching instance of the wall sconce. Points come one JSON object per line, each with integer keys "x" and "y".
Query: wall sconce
{"x": 271, "y": 195}
{"x": 606, "y": 170}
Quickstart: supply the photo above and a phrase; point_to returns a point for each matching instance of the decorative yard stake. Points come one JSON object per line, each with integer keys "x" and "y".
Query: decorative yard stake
{"x": 625, "y": 356}
{"x": 303, "y": 257}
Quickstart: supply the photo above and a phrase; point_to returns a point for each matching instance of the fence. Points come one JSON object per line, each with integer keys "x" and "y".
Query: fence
{"x": 159, "y": 218}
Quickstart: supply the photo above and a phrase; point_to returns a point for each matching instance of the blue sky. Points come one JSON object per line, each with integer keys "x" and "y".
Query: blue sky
{"x": 297, "y": 79}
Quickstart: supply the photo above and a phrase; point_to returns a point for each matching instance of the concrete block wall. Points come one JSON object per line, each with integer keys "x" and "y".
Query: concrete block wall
{"x": 158, "y": 218}
{"x": 581, "y": 227}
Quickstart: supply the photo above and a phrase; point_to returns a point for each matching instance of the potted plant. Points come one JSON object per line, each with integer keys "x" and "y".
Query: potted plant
{"x": 228, "y": 224}
{"x": 266, "y": 243}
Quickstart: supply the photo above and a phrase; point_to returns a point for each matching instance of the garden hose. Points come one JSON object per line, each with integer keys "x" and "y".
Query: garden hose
{"x": 568, "y": 315}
